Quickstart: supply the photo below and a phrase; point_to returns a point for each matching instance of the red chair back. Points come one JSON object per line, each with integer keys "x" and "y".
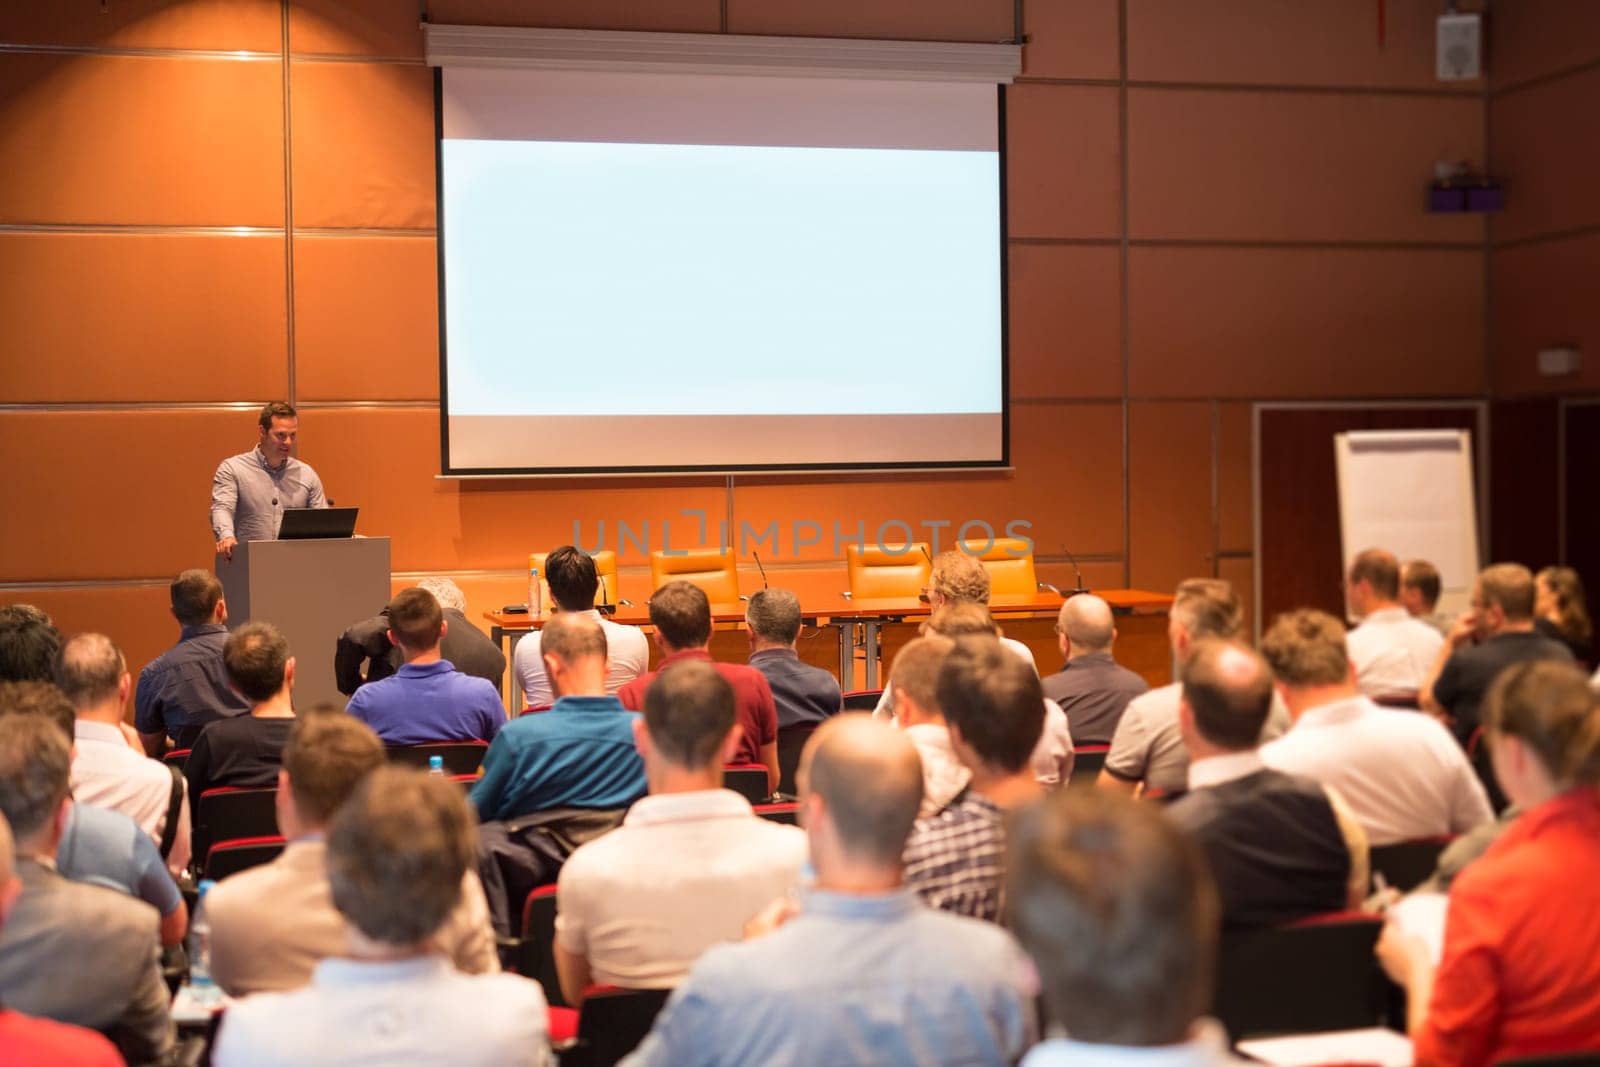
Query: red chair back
{"x": 612, "y": 1022}
{"x": 1086, "y": 763}
{"x": 788, "y": 814}
{"x": 1309, "y": 976}
{"x": 749, "y": 780}
{"x": 226, "y": 814}
{"x": 537, "y": 958}
{"x": 1407, "y": 864}
{"x": 459, "y": 757}
{"x": 862, "y": 699}
{"x": 240, "y": 854}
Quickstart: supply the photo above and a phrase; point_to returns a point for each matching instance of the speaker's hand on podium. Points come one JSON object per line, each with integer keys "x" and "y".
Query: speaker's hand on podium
{"x": 225, "y": 548}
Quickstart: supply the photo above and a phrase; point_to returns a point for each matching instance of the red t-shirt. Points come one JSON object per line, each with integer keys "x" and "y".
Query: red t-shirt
{"x": 30, "y": 1042}
{"x": 1520, "y": 974}
{"x": 753, "y": 704}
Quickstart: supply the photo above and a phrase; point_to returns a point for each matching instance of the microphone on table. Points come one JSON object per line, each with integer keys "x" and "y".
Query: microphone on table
{"x": 760, "y": 568}
{"x": 924, "y": 550}
{"x": 603, "y": 607}
{"x": 1077, "y": 574}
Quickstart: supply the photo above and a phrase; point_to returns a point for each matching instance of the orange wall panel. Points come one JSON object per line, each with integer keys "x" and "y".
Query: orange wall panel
{"x": 1062, "y": 161}
{"x": 231, "y": 25}
{"x": 363, "y": 145}
{"x": 175, "y": 317}
{"x": 1253, "y": 166}
{"x": 137, "y": 617}
{"x": 1066, "y": 321}
{"x": 1169, "y": 472}
{"x": 1270, "y": 42}
{"x": 366, "y": 318}
{"x": 918, "y": 20}
{"x": 1235, "y": 476}
{"x": 1305, "y": 322}
{"x": 355, "y": 27}
{"x": 1070, "y": 39}
{"x": 680, "y": 16}
{"x": 1532, "y": 38}
{"x": 1543, "y": 298}
{"x": 140, "y": 140}
{"x": 1242, "y": 573}
{"x": 1547, "y": 153}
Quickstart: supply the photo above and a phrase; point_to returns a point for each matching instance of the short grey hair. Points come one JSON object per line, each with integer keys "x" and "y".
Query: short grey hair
{"x": 446, "y": 592}
{"x": 1086, "y": 620}
{"x": 774, "y": 615}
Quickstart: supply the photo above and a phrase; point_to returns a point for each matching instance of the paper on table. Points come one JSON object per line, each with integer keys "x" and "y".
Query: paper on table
{"x": 1422, "y": 915}
{"x": 1375, "y": 1045}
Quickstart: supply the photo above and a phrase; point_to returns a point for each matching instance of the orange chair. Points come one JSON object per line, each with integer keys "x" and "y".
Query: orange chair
{"x": 1009, "y": 562}
{"x": 605, "y": 565}
{"x": 877, "y": 574}
{"x": 713, "y": 570}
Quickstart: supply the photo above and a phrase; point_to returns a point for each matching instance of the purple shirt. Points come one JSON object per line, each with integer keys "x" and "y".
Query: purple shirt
{"x": 432, "y": 702}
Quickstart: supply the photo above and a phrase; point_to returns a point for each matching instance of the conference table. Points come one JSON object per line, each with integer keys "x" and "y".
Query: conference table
{"x": 880, "y": 627}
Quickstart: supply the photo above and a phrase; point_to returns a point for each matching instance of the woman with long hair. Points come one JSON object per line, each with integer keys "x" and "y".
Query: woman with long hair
{"x": 1562, "y": 613}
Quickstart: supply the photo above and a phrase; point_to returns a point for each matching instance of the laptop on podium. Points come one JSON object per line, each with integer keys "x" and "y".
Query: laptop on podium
{"x": 304, "y": 524}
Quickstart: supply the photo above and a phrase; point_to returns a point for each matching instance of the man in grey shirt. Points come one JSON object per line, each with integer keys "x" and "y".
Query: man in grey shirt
{"x": 1093, "y": 689}
{"x": 250, "y": 490}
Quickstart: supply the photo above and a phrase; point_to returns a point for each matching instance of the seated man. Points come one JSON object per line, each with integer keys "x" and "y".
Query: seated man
{"x": 186, "y": 687}
{"x": 915, "y": 681}
{"x": 367, "y": 643}
{"x": 1120, "y": 917}
{"x": 106, "y": 771}
{"x": 1391, "y": 651}
{"x": 1092, "y": 688}
{"x": 398, "y": 854}
{"x": 271, "y": 925}
{"x": 427, "y": 699}
{"x": 247, "y": 752}
{"x": 994, "y": 710}
{"x": 29, "y": 642}
{"x": 803, "y": 694}
{"x": 1401, "y": 774}
{"x": 580, "y": 753}
{"x": 1420, "y": 586}
{"x": 573, "y": 583}
{"x": 864, "y": 973}
{"x": 75, "y": 953}
{"x": 681, "y": 615}
{"x": 690, "y": 865}
{"x": 1281, "y": 847}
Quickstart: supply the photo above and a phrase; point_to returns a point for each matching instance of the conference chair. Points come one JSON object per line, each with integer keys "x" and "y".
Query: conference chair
{"x": 605, "y": 565}
{"x": 240, "y": 854}
{"x": 713, "y": 570}
{"x": 787, "y": 813}
{"x": 1086, "y": 763}
{"x": 1555, "y": 1059}
{"x": 1407, "y": 864}
{"x": 791, "y": 742}
{"x": 1309, "y": 976}
{"x": 749, "y": 780}
{"x": 460, "y": 757}
{"x": 537, "y": 959}
{"x": 1009, "y": 561}
{"x": 611, "y": 1023}
{"x": 227, "y": 813}
{"x": 876, "y": 574}
{"x": 862, "y": 699}
{"x": 178, "y": 757}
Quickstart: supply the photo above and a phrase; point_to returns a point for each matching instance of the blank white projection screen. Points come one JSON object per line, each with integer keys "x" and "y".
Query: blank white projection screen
{"x": 675, "y": 272}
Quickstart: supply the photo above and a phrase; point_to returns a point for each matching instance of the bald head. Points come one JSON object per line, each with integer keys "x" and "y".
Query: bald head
{"x": 573, "y": 638}
{"x": 1228, "y": 689}
{"x": 1085, "y": 621}
{"x": 869, "y": 779}
{"x": 89, "y": 670}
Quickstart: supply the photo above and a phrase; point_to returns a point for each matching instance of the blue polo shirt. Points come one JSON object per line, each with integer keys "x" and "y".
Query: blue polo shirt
{"x": 430, "y": 702}
{"x": 579, "y": 754}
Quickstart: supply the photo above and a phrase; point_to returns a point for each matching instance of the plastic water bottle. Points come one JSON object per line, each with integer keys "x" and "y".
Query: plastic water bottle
{"x": 535, "y": 594}
{"x": 436, "y": 766}
{"x": 201, "y": 985}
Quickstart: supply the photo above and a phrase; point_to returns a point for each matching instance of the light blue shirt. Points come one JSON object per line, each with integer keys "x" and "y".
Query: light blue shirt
{"x": 877, "y": 979}
{"x": 107, "y": 848}
{"x": 1207, "y": 1049}
{"x": 579, "y": 754}
{"x": 429, "y": 702}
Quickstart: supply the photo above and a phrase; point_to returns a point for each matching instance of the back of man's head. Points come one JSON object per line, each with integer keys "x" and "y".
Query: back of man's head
{"x": 43, "y": 699}
{"x": 256, "y": 656}
{"x": 35, "y": 768}
{"x": 327, "y": 755}
{"x": 869, "y": 779}
{"x": 397, "y": 852}
{"x": 194, "y": 597}
{"x": 1509, "y": 587}
{"x": 571, "y": 638}
{"x": 961, "y": 618}
{"x": 774, "y": 616}
{"x": 689, "y": 709}
{"x": 1207, "y": 607}
{"x": 446, "y": 592}
{"x": 1422, "y": 576}
{"x": 1228, "y": 688}
{"x": 1085, "y": 619}
{"x": 28, "y": 644}
{"x": 915, "y": 671}
{"x": 959, "y": 577}
{"x": 1119, "y": 914}
{"x": 681, "y": 614}
{"x": 1306, "y": 649}
{"x": 993, "y": 699}
{"x": 89, "y": 669}
{"x": 416, "y": 620}
{"x": 1379, "y": 569}
{"x": 572, "y": 577}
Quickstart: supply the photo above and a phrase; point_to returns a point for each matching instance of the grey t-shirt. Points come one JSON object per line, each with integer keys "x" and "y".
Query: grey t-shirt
{"x": 1148, "y": 746}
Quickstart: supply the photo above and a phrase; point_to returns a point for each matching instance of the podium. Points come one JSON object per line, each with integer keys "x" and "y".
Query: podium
{"x": 311, "y": 590}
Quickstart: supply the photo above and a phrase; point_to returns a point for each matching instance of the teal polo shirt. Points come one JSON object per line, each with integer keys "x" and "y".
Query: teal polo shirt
{"x": 579, "y": 754}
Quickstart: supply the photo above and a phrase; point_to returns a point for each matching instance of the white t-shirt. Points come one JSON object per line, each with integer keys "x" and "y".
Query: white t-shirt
{"x": 627, "y": 657}
{"x": 1392, "y": 653}
{"x": 943, "y": 773}
{"x": 107, "y": 773}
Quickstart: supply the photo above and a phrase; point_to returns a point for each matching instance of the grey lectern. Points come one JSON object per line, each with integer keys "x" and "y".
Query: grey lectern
{"x": 311, "y": 590}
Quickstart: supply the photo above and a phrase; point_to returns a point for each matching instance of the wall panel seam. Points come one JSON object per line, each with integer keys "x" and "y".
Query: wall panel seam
{"x": 141, "y": 229}
{"x": 288, "y": 210}
{"x": 1548, "y": 237}
{"x": 1544, "y": 79}
{"x": 1126, "y": 313}
{"x": 232, "y": 55}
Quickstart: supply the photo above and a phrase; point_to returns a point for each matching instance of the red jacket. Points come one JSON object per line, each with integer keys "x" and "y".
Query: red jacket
{"x": 753, "y": 705}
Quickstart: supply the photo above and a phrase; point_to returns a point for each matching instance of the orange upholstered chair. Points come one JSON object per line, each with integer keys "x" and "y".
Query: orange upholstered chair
{"x": 876, "y": 574}
{"x": 713, "y": 570}
{"x": 605, "y": 565}
{"x": 1009, "y": 562}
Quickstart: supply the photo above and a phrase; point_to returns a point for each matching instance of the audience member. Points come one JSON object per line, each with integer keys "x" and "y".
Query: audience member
{"x": 107, "y": 772}
{"x": 28, "y": 644}
{"x": 1092, "y": 688}
{"x": 247, "y": 752}
{"x": 1420, "y": 586}
{"x": 573, "y": 583}
{"x": 398, "y": 853}
{"x": 366, "y": 644}
{"x": 864, "y": 973}
{"x": 28, "y": 1041}
{"x": 1561, "y": 611}
{"x": 580, "y": 753}
{"x": 690, "y": 865}
{"x": 75, "y": 953}
{"x": 1281, "y": 847}
{"x": 1120, "y": 917}
{"x": 186, "y": 687}
{"x": 427, "y": 699}
{"x": 681, "y": 615}
{"x": 994, "y": 710}
{"x": 1147, "y": 746}
{"x": 803, "y": 694}
{"x": 98, "y": 845}
{"x": 1391, "y": 651}
{"x": 1497, "y": 632}
{"x": 1400, "y": 772}
{"x": 915, "y": 681}
{"x": 1520, "y": 974}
